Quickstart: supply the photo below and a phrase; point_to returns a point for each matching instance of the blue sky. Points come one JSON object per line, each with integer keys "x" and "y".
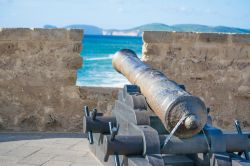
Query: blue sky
{"x": 123, "y": 14}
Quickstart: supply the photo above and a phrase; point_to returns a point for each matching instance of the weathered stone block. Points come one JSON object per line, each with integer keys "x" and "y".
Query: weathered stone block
{"x": 168, "y": 37}
{"x": 15, "y": 34}
{"x": 241, "y": 39}
{"x": 157, "y": 37}
{"x": 73, "y": 62}
{"x": 75, "y": 34}
{"x": 101, "y": 98}
{"x": 49, "y": 34}
{"x": 213, "y": 37}
{"x": 37, "y": 80}
{"x": 7, "y": 48}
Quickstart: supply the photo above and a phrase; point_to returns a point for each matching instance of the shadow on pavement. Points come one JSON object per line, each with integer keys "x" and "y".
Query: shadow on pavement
{"x": 5, "y": 137}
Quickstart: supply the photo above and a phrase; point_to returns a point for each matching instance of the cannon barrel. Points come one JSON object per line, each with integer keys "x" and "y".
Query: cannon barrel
{"x": 166, "y": 98}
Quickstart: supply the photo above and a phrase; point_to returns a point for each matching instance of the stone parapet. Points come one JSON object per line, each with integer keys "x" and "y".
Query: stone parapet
{"x": 22, "y": 34}
{"x": 213, "y": 66}
{"x": 37, "y": 81}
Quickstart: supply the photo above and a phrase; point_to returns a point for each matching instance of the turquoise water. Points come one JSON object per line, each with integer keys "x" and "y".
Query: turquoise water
{"x": 97, "y": 52}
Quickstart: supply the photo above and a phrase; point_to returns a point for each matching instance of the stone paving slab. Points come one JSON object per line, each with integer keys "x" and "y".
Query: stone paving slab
{"x": 45, "y": 149}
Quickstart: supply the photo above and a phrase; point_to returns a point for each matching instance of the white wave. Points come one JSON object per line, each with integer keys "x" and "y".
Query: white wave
{"x": 110, "y": 56}
{"x": 139, "y": 55}
{"x": 109, "y": 79}
{"x": 115, "y": 85}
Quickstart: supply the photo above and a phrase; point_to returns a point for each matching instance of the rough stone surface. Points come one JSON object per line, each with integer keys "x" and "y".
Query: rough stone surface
{"x": 38, "y": 73}
{"x": 215, "y": 67}
{"x": 37, "y": 81}
{"x": 98, "y": 97}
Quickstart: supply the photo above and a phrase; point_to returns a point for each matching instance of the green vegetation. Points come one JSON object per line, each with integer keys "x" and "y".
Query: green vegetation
{"x": 188, "y": 28}
{"x": 93, "y": 30}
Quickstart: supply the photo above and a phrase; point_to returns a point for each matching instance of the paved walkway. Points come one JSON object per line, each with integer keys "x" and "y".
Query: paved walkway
{"x": 46, "y": 149}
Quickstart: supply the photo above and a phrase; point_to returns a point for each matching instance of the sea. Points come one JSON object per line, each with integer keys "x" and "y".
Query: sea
{"x": 97, "y": 53}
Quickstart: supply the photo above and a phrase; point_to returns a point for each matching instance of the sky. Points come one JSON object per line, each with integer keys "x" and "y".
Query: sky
{"x": 124, "y": 14}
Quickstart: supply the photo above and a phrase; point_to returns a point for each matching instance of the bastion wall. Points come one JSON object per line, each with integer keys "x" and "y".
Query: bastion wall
{"x": 213, "y": 66}
{"x": 37, "y": 81}
{"x": 38, "y": 75}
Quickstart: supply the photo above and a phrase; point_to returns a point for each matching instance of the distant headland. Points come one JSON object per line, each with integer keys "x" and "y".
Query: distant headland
{"x": 137, "y": 31}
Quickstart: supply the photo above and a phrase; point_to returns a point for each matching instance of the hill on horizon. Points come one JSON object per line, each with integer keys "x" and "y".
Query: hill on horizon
{"x": 137, "y": 31}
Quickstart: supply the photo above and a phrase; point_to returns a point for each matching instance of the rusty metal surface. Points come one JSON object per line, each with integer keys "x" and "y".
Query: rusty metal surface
{"x": 165, "y": 97}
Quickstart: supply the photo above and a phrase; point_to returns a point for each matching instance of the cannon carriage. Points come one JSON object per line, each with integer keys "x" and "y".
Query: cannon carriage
{"x": 155, "y": 121}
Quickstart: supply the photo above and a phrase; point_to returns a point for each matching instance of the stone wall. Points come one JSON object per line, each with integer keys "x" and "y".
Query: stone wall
{"x": 215, "y": 67}
{"x": 37, "y": 81}
{"x": 38, "y": 74}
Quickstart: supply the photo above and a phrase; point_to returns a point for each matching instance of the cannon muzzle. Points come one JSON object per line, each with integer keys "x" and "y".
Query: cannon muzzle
{"x": 166, "y": 98}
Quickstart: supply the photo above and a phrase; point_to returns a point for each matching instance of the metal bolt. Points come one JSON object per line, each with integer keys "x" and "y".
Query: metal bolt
{"x": 117, "y": 161}
{"x": 238, "y": 127}
{"x": 113, "y": 131}
{"x": 90, "y": 137}
{"x": 93, "y": 114}
{"x": 182, "y": 87}
{"x": 208, "y": 110}
{"x": 86, "y": 110}
{"x": 90, "y": 134}
{"x": 110, "y": 127}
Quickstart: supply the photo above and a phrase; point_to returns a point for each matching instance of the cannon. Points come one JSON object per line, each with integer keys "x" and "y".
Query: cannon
{"x": 155, "y": 121}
